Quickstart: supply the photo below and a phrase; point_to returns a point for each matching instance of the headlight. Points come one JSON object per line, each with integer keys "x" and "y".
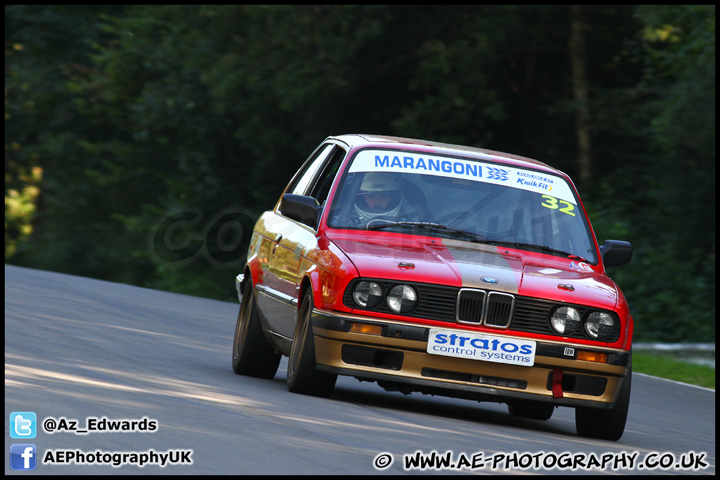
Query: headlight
{"x": 367, "y": 294}
{"x": 565, "y": 320}
{"x": 599, "y": 325}
{"x": 402, "y": 298}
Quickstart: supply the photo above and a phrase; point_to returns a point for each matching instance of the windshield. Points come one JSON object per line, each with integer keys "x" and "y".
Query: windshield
{"x": 462, "y": 199}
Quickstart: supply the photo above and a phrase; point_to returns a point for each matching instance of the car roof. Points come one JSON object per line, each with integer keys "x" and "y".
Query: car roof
{"x": 368, "y": 140}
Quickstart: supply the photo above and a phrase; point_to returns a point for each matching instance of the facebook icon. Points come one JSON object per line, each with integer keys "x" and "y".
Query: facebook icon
{"x": 23, "y": 456}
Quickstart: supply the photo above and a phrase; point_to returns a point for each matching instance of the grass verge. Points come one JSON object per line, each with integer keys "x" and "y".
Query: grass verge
{"x": 673, "y": 369}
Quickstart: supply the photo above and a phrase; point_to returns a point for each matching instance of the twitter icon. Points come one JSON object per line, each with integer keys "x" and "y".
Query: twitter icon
{"x": 23, "y": 425}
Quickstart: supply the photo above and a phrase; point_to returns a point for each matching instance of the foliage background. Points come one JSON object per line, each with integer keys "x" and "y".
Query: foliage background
{"x": 119, "y": 117}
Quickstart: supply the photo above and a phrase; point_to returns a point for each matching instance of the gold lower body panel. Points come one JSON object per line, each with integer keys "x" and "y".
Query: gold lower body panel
{"x": 403, "y": 364}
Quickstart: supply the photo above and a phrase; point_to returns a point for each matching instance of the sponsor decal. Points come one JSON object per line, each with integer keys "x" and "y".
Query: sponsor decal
{"x": 406, "y": 162}
{"x": 535, "y": 180}
{"x": 580, "y": 266}
{"x": 489, "y": 348}
{"x": 549, "y": 271}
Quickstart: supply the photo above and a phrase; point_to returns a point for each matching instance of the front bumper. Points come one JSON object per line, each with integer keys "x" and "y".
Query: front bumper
{"x": 397, "y": 359}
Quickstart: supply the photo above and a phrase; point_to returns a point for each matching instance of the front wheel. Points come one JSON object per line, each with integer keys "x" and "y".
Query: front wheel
{"x": 252, "y": 354}
{"x": 302, "y": 374}
{"x": 605, "y": 424}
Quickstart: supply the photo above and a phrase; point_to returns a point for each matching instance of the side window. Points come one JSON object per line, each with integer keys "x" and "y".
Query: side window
{"x": 303, "y": 181}
{"x": 322, "y": 186}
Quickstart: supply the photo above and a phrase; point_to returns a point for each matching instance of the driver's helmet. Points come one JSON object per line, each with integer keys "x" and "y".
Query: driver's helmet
{"x": 380, "y": 195}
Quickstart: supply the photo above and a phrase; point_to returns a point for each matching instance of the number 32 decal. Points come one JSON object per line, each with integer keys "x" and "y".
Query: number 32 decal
{"x": 554, "y": 203}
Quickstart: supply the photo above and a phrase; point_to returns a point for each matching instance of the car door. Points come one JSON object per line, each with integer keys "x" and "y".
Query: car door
{"x": 288, "y": 240}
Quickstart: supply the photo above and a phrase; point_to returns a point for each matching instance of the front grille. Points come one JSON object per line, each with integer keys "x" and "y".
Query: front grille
{"x": 470, "y": 306}
{"x": 494, "y": 309}
{"x": 500, "y": 309}
{"x": 480, "y": 307}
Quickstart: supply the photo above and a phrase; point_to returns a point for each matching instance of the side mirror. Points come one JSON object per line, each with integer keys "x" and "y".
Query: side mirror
{"x": 303, "y": 209}
{"x": 616, "y": 252}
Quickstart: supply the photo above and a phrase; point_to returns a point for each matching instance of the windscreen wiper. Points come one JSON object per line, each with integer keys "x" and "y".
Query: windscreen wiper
{"x": 542, "y": 248}
{"x": 433, "y": 227}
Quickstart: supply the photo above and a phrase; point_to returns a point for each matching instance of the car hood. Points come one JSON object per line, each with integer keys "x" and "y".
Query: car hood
{"x": 472, "y": 265}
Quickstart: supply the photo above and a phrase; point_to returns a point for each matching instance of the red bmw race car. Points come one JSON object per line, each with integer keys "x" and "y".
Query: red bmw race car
{"x": 439, "y": 269}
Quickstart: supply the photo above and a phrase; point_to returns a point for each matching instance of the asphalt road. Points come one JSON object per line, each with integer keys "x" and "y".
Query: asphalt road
{"x": 94, "y": 352}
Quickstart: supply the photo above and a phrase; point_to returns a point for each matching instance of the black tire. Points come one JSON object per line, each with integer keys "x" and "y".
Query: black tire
{"x": 530, "y": 409}
{"x": 252, "y": 353}
{"x": 302, "y": 374}
{"x": 605, "y": 424}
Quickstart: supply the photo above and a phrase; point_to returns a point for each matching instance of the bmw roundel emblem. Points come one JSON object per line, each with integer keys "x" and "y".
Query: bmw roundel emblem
{"x": 489, "y": 280}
